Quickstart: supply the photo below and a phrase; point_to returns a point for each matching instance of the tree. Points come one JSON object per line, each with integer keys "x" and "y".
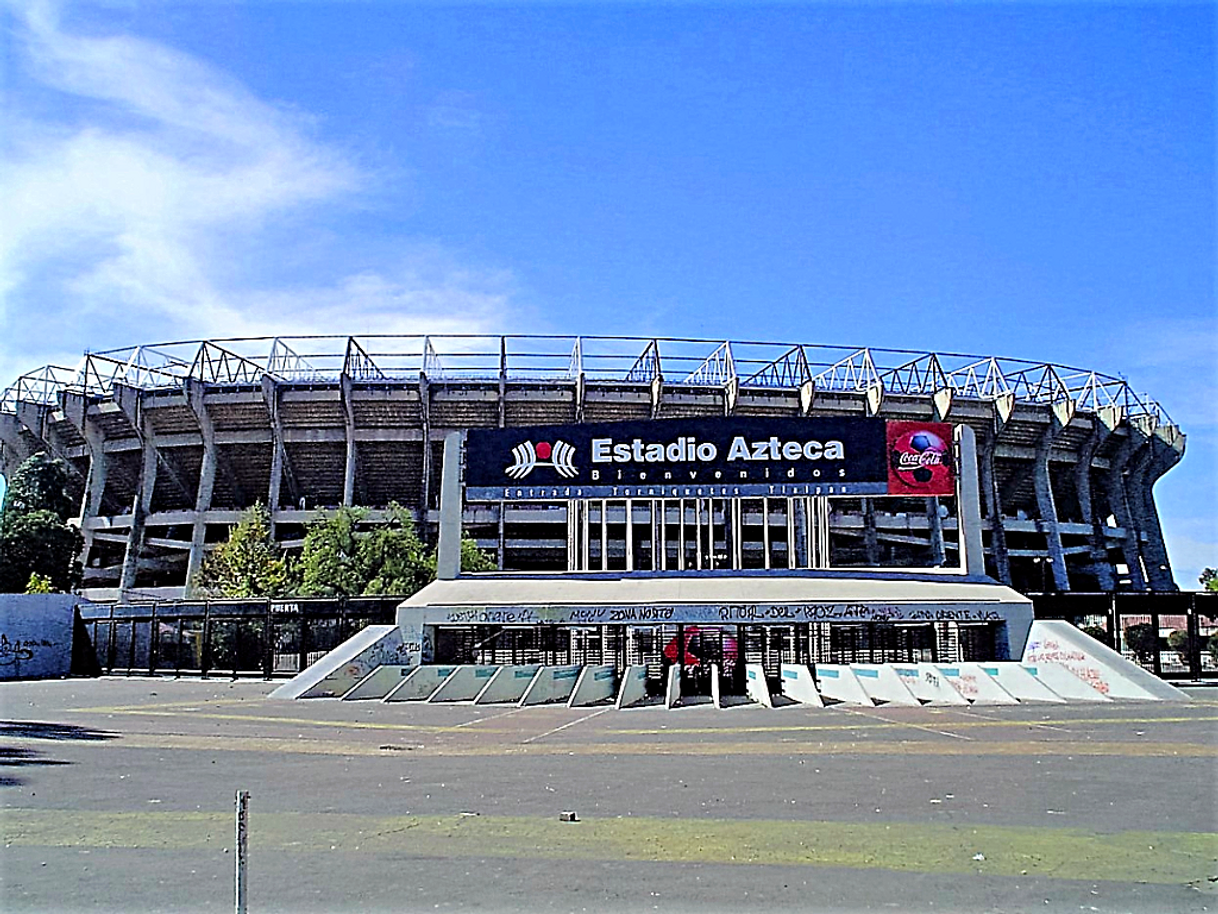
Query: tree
{"x": 1098, "y": 632}
{"x": 39, "y": 583}
{"x": 330, "y": 563}
{"x": 1178, "y": 641}
{"x": 250, "y": 563}
{"x": 1142, "y": 640}
{"x": 1209, "y": 579}
{"x": 35, "y": 537}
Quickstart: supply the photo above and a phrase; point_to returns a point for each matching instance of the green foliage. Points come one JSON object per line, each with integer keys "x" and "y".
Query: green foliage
{"x": 1178, "y": 642}
{"x": 330, "y": 564}
{"x": 39, "y": 583}
{"x": 1209, "y": 579}
{"x": 1143, "y": 640}
{"x": 1212, "y": 646}
{"x": 39, "y": 484}
{"x": 250, "y": 563}
{"x": 35, "y": 537}
{"x": 395, "y": 558}
{"x": 474, "y": 559}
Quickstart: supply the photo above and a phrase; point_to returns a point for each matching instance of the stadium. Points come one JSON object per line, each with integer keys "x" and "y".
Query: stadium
{"x": 168, "y": 443}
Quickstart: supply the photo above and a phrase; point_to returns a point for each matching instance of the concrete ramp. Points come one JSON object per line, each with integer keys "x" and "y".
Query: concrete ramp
{"x": 1055, "y": 641}
{"x": 1064, "y": 683}
{"x": 508, "y": 685}
{"x": 379, "y": 683}
{"x": 883, "y": 685}
{"x": 929, "y": 685}
{"x": 339, "y": 670}
{"x": 976, "y": 685}
{"x": 838, "y": 682}
{"x": 464, "y": 684}
{"x": 755, "y": 685}
{"x": 633, "y": 688}
{"x": 798, "y": 684}
{"x": 552, "y": 683}
{"x": 595, "y": 684}
{"x": 421, "y": 684}
{"x": 1019, "y": 683}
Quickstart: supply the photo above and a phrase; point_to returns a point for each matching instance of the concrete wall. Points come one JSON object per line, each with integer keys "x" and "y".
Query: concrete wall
{"x": 36, "y": 635}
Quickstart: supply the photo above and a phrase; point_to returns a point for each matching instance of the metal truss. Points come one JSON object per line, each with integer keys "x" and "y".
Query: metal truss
{"x": 877, "y": 372}
{"x": 718, "y": 369}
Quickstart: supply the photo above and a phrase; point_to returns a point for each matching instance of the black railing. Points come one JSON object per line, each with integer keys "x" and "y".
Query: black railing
{"x": 226, "y": 637}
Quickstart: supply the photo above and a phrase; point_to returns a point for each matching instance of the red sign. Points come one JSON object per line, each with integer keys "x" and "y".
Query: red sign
{"x": 921, "y": 459}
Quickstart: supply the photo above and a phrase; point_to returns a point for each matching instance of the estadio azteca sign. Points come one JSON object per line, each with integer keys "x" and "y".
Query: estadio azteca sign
{"x": 710, "y": 458}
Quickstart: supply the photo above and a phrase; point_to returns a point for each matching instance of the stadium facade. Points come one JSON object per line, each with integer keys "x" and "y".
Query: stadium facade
{"x": 167, "y": 444}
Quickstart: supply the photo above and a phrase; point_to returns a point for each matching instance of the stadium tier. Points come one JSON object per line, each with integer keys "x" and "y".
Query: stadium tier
{"x": 168, "y": 443}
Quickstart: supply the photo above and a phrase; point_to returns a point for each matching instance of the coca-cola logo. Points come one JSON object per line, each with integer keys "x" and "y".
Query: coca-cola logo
{"x": 920, "y": 458}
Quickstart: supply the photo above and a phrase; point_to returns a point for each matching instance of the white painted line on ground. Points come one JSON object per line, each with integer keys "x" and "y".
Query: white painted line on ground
{"x": 566, "y": 725}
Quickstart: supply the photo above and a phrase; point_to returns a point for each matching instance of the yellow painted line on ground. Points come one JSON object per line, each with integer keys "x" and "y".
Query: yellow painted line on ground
{"x": 164, "y": 705}
{"x": 294, "y": 721}
{"x": 303, "y": 746}
{"x": 1162, "y": 858}
{"x": 784, "y": 728}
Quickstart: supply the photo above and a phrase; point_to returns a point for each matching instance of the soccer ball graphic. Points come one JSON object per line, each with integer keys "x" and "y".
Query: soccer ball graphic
{"x": 921, "y": 460}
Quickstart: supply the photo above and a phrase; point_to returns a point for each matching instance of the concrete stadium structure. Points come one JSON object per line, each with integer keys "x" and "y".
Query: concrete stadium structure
{"x": 168, "y": 443}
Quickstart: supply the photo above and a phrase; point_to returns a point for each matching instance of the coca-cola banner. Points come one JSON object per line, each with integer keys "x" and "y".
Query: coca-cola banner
{"x": 710, "y": 458}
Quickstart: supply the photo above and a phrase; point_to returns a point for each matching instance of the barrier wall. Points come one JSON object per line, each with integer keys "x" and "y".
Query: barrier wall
{"x": 882, "y": 684}
{"x": 672, "y": 687}
{"x": 838, "y": 682}
{"x": 338, "y": 671}
{"x": 595, "y": 684}
{"x": 1054, "y": 641}
{"x": 716, "y": 689}
{"x": 379, "y": 683}
{"x": 755, "y": 685}
{"x": 799, "y": 685}
{"x": 508, "y": 685}
{"x": 36, "y": 634}
{"x": 552, "y": 683}
{"x": 1020, "y": 683}
{"x": 421, "y": 683}
{"x": 976, "y": 685}
{"x": 464, "y": 684}
{"x": 633, "y": 688}
{"x": 928, "y": 685}
{"x": 1065, "y": 683}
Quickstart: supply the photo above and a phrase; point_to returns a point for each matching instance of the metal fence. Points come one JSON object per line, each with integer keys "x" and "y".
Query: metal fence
{"x": 226, "y": 637}
{"x": 1173, "y": 635}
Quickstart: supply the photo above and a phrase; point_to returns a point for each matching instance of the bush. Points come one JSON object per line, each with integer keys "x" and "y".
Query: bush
{"x": 1142, "y": 640}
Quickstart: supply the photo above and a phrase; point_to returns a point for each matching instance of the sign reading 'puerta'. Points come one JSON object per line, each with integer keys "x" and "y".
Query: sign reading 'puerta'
{"x": 710, "y": 458}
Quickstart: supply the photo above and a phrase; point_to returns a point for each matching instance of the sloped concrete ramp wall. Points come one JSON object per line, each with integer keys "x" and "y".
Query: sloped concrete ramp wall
{"x": 838, "y": 682}
{"x": 756, "y": 686}
{"x": 1018, "y": 682}
{"x": 337, "y": 672}
{"x": 799, "y": 685}
{"x": 421, "y": 684}
{"x": 508, "y": 685}
{"x": 1055, "y": 641}
{"x": 377, "y": 684}
{"x": 464, "y": 684}
{"x": 595, "y": 683}
{"x": 976, "y": 685}
{"x": 552, "y": 683}
{"x": 882, "y": 684}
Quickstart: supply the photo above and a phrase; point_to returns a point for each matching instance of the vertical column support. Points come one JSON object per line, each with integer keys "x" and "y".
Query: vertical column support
{"x": 1165, "y": 446}
{"x": 1118, "y": 500}
{"x": 968, "y": 500}
{"x": 938, "y": 552}
{"x": 425, "y": 482}
{"x": 207, "y": 479}
{"x": 1046, "y": 505}
{"x": 1102, "y": 426}
{"x": 448, "y": 550}
{"x": 349, "y": 466}
{"x": 993, "y": 507}
{"x": 76, "y": 408}
{"x": 799, "y": 537}
{"x": 871, "y": 540}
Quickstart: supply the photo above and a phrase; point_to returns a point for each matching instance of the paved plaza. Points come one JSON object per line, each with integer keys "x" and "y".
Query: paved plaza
{"x": 118, "y": 796}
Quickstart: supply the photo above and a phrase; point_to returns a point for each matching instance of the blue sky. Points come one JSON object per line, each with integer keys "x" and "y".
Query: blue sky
{"x": 1029, "y": 180}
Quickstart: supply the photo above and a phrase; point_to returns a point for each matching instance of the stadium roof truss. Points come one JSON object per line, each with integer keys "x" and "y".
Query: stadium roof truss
{"x": 872, "y": 372}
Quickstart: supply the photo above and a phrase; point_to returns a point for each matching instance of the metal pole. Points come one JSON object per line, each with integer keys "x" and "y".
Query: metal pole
{"x": 243, "y": 813}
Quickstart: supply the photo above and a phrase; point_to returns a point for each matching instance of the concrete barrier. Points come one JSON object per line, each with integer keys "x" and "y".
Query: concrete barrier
{"x": 36, "y": 634}
{"x": 882, "y": 684}
{"x": 976, "y": 685}
{"x": 838, "y": 682}
{"x": 420, "y": 684}
{"x": 672, "y": 687}
{"x": 464, "y": 684}
{"x": 928, "y": 685}
{"x": 1055, "y": 641}
{"x": 338, "y": 671}
{"x": 756, "y": 686}
{"x": 377, "y": 684}
{"x": 1065, "y": 683}
{"x": 633, "y": 688}
{"x": 798, "y": 684}
{"x": 716, "y": 691}
{"x": 595, "y": 684}
{"x": 552, "y": 683}
{"x": 1019, "y": 683}
{"x": 508, "y": 685}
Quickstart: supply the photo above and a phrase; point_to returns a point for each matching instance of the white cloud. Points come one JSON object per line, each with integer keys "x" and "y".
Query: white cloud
{"x": 155, "y": 201}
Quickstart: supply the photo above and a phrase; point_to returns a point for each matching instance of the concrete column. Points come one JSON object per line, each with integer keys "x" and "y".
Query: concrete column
{"x": 207, "y": 480}
{"x": 1098, "y": 549}
{"x": 1131, "y": 547}
{"x": 993, "y": 508}
{"x": 425, "y": 483}
{"x": 76, "y": 407}
{"x": 938, "y": 552}
{"x": 968, "y": 504}
{"x": 871, "y": 539}
{"x": 448, "y": 552}
{"x": 1160, "y": 456}
{"x": 799, "y": 518}
{"x": 14, "y": 442}
{"x": 349, "y": 418}
{"x": 1046, "y": 505}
